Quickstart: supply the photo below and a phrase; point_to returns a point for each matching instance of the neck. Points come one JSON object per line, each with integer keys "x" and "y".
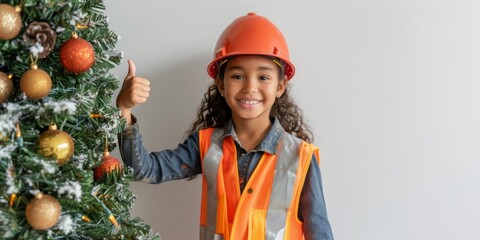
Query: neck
{"x": 251, "y": 132}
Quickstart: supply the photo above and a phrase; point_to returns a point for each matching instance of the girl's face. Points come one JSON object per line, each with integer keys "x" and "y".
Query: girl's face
{"x": 250, "y": 86}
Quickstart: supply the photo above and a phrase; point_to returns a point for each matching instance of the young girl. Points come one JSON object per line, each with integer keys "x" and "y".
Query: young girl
{"x": 261, "y": 175}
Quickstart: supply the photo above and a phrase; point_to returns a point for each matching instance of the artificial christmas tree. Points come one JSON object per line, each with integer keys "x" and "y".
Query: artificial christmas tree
{"x": 55, "y": 113}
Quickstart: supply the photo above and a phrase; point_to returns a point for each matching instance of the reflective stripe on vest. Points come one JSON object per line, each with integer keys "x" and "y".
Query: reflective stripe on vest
{"x": 209, "y": 171}
{"x": 269, "y": 211}
{"x": 283, "y": 184}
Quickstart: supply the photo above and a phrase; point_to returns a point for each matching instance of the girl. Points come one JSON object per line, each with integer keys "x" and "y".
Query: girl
{"x": 261, "y": 175}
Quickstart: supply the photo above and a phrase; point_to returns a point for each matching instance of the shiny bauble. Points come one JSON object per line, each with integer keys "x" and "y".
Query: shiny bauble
{"x": 77, "y": 55}
{"x": 108, "y": 165}
{"x": 56, "y": 144}
{"x": 6, "y": 87}
{"x": 36, "y": 83}
{"x": 10, "y": 21}
{"x": 43, "y": 212}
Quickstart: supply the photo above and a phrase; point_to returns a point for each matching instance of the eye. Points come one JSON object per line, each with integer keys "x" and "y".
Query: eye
{"x": 264, "y": 78}
{"x": 236, "y": 76}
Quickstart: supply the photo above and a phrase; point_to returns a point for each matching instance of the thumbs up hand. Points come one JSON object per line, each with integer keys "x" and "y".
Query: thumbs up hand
{"x": 134, "y": 91}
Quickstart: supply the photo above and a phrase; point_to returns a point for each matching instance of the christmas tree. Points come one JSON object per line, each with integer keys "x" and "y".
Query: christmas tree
{"x": 58, "y": 125}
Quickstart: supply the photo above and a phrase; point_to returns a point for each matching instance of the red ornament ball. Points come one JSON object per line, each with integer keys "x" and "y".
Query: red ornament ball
{"x": 108, "y": 165}
{"x": 77, "y": 55}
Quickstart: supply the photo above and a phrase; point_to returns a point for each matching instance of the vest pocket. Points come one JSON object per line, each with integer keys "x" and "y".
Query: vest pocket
{"x": 256, "y": 224}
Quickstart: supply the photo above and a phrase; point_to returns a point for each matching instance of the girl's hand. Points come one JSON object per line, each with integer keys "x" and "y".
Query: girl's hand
{"x": 135, "y": 90}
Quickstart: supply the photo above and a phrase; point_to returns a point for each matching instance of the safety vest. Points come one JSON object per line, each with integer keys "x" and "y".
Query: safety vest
{"x": 268, "y": 207}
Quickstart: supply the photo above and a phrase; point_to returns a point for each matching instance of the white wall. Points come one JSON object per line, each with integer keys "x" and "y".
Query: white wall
{"x": 391, "y": 89}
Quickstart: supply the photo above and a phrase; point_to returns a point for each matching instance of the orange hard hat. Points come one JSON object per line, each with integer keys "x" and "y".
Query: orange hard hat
{"x": 251, "y": 35}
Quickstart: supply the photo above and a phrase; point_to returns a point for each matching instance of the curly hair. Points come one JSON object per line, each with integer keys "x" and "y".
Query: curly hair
{"x": 214, "y": 112}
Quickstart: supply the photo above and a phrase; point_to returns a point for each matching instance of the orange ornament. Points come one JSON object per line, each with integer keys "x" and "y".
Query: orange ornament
{"x": 6, "y": 86}
{"x": 77, "y": 55}
{"x": 36, "y": 83}
{"x": 10, "y": 21}
{"x": 108, "y": 165}
{"x": 43, "y": 212}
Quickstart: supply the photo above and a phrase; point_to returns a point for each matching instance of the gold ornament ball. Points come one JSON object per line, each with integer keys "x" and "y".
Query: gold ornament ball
{"x": 36, "y": 83}
{"x": 77, "y": 55}
{"x": 57, "y": 144}
{"x": 6, "y": 87}
{"x": 43, "y": 212}
{"x": 10, "y": 21}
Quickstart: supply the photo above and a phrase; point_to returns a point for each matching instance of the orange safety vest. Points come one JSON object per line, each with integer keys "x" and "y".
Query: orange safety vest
{"x": 268, "y": 207}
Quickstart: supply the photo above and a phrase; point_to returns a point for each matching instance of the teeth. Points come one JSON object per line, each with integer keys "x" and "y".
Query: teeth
{"x": 249, "y": 102}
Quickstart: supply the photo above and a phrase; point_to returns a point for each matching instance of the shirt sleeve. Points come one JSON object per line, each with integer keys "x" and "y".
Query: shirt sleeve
{"x": 156, "y": 167}
{"x": 312, "y": 209}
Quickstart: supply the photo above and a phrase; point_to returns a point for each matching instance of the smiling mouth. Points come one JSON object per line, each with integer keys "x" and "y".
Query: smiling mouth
{"x": 249, "y": 102}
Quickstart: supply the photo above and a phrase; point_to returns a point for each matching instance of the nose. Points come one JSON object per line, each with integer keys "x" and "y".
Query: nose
{"x": 250, "y": 85}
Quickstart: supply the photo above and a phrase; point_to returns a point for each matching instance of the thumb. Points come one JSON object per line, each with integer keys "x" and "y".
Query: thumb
{"x": 131, "y": 69}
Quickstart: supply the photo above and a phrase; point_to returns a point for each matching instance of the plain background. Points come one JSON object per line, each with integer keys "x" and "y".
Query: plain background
{"x": 390, "y": 88}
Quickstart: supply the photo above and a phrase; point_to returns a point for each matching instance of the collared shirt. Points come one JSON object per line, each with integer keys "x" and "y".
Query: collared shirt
{"x": 184, "y": 162}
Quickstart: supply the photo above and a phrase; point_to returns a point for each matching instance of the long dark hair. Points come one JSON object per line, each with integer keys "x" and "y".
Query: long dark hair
{"x": 214, "y": 111}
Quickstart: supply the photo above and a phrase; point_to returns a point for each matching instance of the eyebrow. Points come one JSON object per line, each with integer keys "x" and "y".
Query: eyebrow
{"x": 241, "y": 68}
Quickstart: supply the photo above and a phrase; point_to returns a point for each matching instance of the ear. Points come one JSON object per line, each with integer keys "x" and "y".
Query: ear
{"x": 282, "y": 85}
{"x": 220, "y": 85}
